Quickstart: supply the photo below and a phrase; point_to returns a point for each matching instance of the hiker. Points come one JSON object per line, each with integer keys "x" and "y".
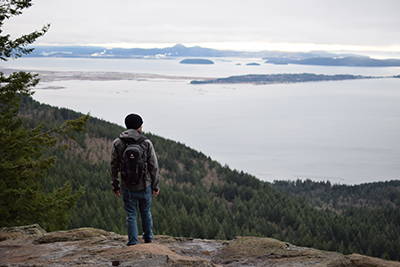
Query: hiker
{"x": 133, "y": 156}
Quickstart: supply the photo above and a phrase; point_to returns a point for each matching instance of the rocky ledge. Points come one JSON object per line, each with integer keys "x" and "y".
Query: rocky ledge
{"x": 32, "y": 246}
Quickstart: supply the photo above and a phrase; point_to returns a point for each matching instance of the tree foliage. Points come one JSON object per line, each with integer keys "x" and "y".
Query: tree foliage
{"x": 16, "y": 47}
{"x": 24, "y": 160}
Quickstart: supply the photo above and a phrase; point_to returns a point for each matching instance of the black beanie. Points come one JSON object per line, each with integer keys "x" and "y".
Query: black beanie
{"x": 133, "y": 121}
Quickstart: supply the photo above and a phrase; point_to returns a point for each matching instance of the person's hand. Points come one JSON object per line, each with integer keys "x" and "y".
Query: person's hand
{"x": 156, "y": 192}
{"x": 117, "y": 193}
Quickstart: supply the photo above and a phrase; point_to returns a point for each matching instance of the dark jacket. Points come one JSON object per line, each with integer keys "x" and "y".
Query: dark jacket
{"x": 118, "y": 147}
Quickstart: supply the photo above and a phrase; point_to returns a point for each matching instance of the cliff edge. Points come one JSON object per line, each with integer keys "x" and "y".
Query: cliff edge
{"x": 32, "y": 246}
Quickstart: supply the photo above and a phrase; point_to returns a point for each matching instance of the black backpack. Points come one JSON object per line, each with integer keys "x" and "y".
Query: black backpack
{"x": 134, "y": 161}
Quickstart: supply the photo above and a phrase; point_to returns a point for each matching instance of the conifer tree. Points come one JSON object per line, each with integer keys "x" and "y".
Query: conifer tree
{"x": 23, "y": 162}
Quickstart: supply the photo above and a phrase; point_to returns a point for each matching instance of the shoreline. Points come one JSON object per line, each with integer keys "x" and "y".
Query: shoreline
{"x": 52, "y": 76}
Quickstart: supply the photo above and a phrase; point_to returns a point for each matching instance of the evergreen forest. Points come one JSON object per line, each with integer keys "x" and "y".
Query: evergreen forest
{"x": 200, "y": 198}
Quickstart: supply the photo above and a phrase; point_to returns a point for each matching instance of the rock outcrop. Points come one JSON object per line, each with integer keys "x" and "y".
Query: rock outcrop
{"x": 32, "y": 246}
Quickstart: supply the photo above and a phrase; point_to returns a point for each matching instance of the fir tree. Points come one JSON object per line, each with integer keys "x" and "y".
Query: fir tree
{"x": 23, "y": 160}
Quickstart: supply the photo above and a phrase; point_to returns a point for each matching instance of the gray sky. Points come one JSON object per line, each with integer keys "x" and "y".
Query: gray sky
{"x": 234, "y": 24}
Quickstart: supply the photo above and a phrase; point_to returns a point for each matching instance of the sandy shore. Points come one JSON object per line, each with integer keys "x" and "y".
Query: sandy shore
{"x": 50, "y": 76}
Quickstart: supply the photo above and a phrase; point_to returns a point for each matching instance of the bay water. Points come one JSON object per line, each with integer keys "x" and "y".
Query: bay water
{"x": 342, "y": 131}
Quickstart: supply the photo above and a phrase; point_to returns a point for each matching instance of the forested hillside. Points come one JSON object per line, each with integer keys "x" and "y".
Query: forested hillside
{"x": 341, "y": 197}
{"x": 201, "y": 198}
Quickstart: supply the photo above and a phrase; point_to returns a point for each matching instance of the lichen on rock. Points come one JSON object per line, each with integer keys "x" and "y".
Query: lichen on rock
{"x": 25, "y": 231}
{"x": 74, "y": 235}
{"x": 32, "y": 246}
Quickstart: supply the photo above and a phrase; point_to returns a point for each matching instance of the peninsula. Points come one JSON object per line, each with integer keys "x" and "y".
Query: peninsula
{"x": 282, "y": 78}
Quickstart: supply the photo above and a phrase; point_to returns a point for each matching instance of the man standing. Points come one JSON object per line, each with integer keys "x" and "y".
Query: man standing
{"x": 133, "y": 156}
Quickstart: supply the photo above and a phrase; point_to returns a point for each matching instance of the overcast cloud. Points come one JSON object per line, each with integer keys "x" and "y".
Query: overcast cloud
{"x": 358, "y": 24}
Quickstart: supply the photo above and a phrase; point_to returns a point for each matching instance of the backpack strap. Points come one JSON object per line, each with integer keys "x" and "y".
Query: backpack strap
{"x": 141, "y": 139}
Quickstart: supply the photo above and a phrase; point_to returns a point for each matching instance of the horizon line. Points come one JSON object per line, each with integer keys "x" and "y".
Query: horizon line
{"x": 376, "y": 51}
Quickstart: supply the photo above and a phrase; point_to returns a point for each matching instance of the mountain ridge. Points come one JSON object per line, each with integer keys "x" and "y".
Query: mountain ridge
{"x": 179, "y": 50}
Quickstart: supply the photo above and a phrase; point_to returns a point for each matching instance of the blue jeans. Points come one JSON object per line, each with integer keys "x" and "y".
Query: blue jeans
{"x": 133, "y": 200}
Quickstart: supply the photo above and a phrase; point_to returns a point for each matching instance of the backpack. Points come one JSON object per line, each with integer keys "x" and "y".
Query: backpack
{"x": 134, "y": 161}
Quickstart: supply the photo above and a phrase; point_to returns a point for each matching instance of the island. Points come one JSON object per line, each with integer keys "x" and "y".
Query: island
{"x": 196, "y": 61}
{"x": 282, "y": 78}
{"x": 253, "y": 64}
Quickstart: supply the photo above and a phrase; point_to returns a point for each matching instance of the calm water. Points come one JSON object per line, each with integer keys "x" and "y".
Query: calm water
{"x": 222, "y": 67}
{"x": 345, "y": 131}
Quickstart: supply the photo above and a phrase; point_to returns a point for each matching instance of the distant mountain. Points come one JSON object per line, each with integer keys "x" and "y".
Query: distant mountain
{"x": 66, "y": 51}
{"x": 321, "y": 58}
{"x": 174, "y": 51}
{"x": 177, "y": 50}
